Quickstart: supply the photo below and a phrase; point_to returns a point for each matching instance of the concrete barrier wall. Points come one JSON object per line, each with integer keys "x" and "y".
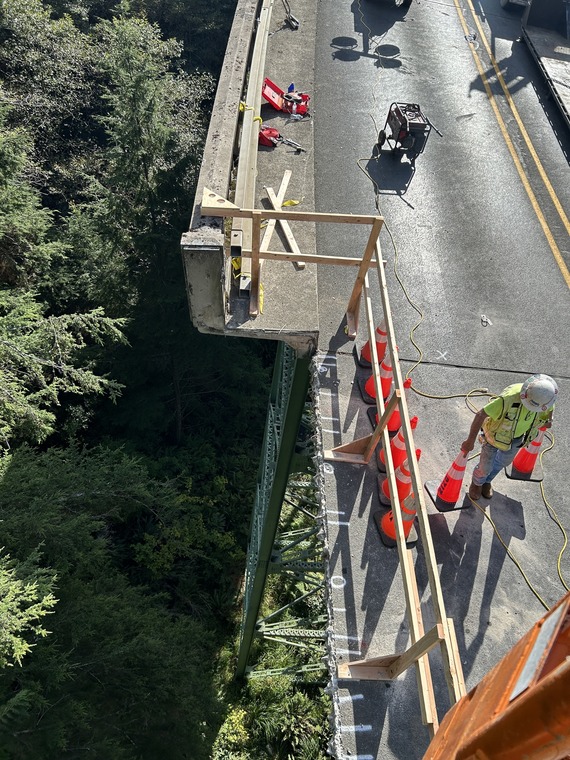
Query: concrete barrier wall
{"x": 202, "y": 246}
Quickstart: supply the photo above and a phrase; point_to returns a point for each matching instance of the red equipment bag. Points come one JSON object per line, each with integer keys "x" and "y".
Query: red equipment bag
{"x": 269, "y": 136}
{"x": 290, "y": 102}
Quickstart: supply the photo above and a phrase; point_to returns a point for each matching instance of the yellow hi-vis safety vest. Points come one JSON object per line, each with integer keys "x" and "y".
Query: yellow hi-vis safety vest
{"x": 509, "y": 419}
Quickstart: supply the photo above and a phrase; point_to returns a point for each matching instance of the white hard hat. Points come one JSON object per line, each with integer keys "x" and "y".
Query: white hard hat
{"x": 538, "y": 393}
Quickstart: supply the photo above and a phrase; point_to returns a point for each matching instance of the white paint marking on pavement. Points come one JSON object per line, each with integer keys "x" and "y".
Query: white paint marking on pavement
{"x": 360, "y": 728}
{"x": 351, "y": 698}
{"x": 337, "y": 581}
{"x": 332, "y": 419}
{"x": 335, "y": 512}
{"x": 329, "y": 430}
{"x": 349, "y": 651}
{"x": 337, "y": 522}
{"x": 339, "y": 609}
{"x": 346, "y": 637}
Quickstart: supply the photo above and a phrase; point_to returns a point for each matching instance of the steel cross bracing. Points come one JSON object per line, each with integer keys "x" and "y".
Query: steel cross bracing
{"x": 295, "y": 553}
{"x": 275, "y": 414}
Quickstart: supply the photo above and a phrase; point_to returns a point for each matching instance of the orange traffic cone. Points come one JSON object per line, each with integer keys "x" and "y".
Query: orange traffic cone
{"x": 365, "y": 358}
{"x": 525, "y": 461}
{"x": 395, "y": 421}
{"x": 449, "y": 489}
{"x": 403, "y": 482}
{"x": 397, "y": 447}
{"x": 368, "y": 390}
{"x": 387, "y": 526}
{"x": 395, "y": 418}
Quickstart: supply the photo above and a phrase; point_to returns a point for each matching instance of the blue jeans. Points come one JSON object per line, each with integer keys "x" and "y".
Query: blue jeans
{"x": 492, "y": 461}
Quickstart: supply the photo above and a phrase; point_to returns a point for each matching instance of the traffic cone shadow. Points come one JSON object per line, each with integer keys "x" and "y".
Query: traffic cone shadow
{"x": 447, "y": 495}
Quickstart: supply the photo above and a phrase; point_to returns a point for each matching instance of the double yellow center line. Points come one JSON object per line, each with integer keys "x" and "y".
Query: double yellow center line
{"x": 502, "y": 126}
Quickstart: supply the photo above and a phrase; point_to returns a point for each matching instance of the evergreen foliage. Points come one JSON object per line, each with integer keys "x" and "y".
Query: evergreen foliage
{"x": 129, "y": 441}
{"x": 23, "y": 603}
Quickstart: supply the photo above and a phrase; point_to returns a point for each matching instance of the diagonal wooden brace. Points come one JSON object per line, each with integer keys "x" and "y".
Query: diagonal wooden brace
{"x": 389, "y": 667}
{"x": 360, "y": 450}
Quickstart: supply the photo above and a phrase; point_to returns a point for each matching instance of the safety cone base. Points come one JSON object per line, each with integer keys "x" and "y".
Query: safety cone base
{"x": 411, "y": 540}
{"x": 372, "y": 413}
{"x": 432, "y": 486}
{"x": 536, "y": 476}
{"x": 366, "y": 397}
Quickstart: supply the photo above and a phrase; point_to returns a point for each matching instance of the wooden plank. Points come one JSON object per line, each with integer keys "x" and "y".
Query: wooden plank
{"x": 389, "y": 667}
{"x": 255, "y": 265}
{"x": 454, "y": 652}
{"x": 428, "y": 641}
{"x": 268, "y": 234}
{"x": 423, "y": 671}
{"x": 393, "y": 402}
{"x": 247, "y": 164}
{"x": 213, "y": 200}
{"x": 310, "y": 258}
{"x": 276, "y": 203}
{"x": 360, "y": 450}
{"x": 354, "y": 303}
{"x": 214, "y": 205}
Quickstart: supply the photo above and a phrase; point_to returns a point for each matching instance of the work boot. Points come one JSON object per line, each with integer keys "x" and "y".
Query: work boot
{"x": 487, "y": 490}
{"x": 475, "y": 491}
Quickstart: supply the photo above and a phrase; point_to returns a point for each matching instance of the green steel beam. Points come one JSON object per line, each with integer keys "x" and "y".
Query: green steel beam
{"x": 286, "y": 405}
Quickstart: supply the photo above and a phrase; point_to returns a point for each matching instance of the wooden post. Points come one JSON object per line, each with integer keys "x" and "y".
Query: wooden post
{"x": 255, "y": 264}
{"x": 354, "y": 302}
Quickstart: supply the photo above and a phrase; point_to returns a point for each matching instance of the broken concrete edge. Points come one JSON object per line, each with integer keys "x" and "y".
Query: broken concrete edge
{"x": 203, "y": 260}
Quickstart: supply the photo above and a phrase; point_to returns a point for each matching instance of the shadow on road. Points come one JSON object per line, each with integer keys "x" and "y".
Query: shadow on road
{"x": 389, "y": 171}
{"x": 371, "y": 20}
{"x": 459, "y": 555}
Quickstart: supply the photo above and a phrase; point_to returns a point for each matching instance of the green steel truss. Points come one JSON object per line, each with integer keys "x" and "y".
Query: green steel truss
{"x": 293, "y": 553}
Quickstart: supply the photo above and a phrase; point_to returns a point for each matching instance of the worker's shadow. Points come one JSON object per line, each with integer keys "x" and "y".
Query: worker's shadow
{"x": 371, "y": 21}
{"x": 390, "y": 172}
{"x": 459, "y": 554}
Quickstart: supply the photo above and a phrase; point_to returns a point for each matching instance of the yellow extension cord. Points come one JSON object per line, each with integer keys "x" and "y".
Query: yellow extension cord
{"x": 476, "y": 392}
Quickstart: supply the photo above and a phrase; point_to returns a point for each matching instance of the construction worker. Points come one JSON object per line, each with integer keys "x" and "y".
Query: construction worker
{"x": 509, "y": 422}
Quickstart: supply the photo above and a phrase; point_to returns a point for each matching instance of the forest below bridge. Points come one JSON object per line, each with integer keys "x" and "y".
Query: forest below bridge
{"x": 129, "y": 442}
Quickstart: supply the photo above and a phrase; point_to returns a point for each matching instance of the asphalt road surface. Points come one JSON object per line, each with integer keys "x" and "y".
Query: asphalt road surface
{"x": 477, "y": 233}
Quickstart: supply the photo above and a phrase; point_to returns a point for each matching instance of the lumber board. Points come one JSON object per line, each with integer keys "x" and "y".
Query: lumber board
{"x": 268, "y": 234}
{"x": 214, "y": 205}
{"x": 276, "y": 203}
{"x": 389, "y": 667}
{"x": 310, "y": 258}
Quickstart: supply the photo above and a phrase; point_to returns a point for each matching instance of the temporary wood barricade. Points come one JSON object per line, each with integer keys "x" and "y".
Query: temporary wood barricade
{"x": 360, "y": 451}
